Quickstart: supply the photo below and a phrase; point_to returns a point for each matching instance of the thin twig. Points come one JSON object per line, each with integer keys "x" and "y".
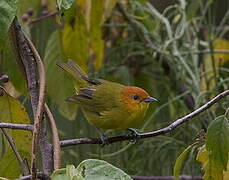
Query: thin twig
{"x": 23, "y": 166}
{"x": 165, "y": 130}
{"x": 16, "y": 126}
{"x": 43, "y": 17}
{"x": 40, "y": 107}
{"x": 55, "y": 139}
{"x": 206, "y": 52}
{"x": 40, "y": 175}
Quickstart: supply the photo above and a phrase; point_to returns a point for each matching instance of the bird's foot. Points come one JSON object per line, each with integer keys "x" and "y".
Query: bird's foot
{"x": 104, "y": 140}
{"x": 134, "y": 134}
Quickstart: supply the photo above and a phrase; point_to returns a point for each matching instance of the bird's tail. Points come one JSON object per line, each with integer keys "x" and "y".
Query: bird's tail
{"x": 76, "y": 72}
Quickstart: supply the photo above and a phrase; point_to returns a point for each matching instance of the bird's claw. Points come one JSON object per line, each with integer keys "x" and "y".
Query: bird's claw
{"x": 134, "y": 134}
{"x": 104, "y": 140}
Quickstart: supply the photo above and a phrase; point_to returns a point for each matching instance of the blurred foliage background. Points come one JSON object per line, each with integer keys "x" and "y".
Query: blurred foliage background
{"x": 175, "y": 49}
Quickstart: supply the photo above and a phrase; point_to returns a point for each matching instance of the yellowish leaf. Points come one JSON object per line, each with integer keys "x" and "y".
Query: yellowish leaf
{"x": 221, "y": 58}
{"x": 56, "y": 77}
{"x": 108, "y": 6}
{"x": 12, "y": 111}
{"x": 211, "y": 171}
{"x": 212, "y": 65}
{"x": 11, "y": 89}
{"x": 82, "y": 35}
{"x": 75, "y": 40}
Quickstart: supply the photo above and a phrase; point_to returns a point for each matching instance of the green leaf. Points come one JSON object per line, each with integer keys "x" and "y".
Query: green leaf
{"x": 217, "y": 142}
{"x": 96, "y": 42}
{"x": 68, "y": 173}
{"x": 9, "y": 164}
{"x": 90, "y": 169}
{"x": 82, "y": 35}
{"x": 59, "y": 84}
{"x": 75, "y": 38}
{"x": 8, "y": 10}
{"x": 214, "y": 156}
{"x": 94, "y": 169}
{"x": 180, "y": 160}
{"x": 12, "y": 111}
{"x": 12, "y": 69}
{"x": 211, "y": 171}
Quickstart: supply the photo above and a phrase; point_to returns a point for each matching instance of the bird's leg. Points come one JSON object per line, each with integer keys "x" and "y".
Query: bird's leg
{"x": 135, "y": 134}
{"x": 103, "y": 138}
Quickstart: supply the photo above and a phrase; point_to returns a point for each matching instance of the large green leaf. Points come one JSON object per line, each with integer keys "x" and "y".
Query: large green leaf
{"x": 8, "y": 10}
{"x": 217, "y": 142}
{"x": 12, "y": 111}
{"x": 180, "y": 160}
{"x": 214, "y": 156}
{"x": 211, "y": 172}
{"x": 90, "y": 169}
{"x": 59, "y": 84}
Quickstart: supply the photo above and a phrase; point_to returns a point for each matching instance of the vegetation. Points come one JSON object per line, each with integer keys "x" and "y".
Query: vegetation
{"x": 177, "y": 50}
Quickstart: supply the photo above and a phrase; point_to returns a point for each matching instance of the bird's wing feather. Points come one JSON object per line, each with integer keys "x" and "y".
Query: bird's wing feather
{"x": 79, "y": 75}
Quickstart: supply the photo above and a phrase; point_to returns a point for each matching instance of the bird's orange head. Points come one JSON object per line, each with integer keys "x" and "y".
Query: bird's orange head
{"x": 135, "y": 98}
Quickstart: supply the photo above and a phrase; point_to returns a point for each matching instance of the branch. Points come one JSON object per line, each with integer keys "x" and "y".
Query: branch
{"x": 24, "y": 168}
{"x": 165, "y": 130}
{"x": 40, "y": 107}
{"x": 16, "y": 126}
{"x": 40, "y": 175}
{"x": 55, "y": 139}
{"x": 220, "y": 51}
{"x": 28, "y": 59}
{"x": 43, "y": 17}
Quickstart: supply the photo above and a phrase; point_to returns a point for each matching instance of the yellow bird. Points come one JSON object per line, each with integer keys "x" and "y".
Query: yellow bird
{"x": 105, "y": 104}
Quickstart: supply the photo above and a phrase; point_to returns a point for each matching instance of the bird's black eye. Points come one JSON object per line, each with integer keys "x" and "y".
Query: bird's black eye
{"x": 135, "y": 97}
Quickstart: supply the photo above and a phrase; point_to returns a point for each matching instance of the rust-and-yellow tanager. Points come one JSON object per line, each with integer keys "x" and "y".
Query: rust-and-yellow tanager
{"x": 105, "y": 104}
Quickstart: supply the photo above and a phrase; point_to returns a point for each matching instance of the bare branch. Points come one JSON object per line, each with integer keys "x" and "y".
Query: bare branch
{"x": 218, "y": 51}
{"x": 28, "y": 59}
{"x": 40, "y": 175}
{"x": 43, "y": 17}
{"x": 16, "y": 126}
{"x": 55, "y": 139}
{"x": 40, "y": 107}
{"x": 165, "y": 130}
{"x": 23, "y": 166}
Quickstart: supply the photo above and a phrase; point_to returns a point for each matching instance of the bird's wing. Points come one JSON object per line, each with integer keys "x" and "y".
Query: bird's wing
{"x": 84, "y": 96}
{"x": 79, "y": 75}
{"x": 104, "y": 97}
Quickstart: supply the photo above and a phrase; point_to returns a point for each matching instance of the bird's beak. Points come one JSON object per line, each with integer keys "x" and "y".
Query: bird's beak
{"x": 149, "y": 99}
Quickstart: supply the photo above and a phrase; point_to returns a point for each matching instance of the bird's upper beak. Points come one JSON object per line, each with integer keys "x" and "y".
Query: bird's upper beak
{"x": 149, "y": 99}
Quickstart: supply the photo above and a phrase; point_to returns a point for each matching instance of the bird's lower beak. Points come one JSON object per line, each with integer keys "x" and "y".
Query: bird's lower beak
{"x": 149, "y": 99}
